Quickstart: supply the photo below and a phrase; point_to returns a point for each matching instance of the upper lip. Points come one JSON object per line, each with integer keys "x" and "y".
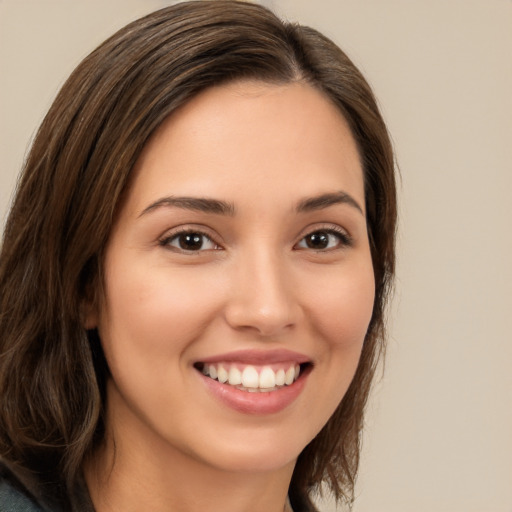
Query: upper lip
{"x": 258, "y": 357}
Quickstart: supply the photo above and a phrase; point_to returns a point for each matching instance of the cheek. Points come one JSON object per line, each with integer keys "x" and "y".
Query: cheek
{"x": 155, "y": 312}
{"x": 340, "y": 312}
{"x": 343, "y": 308}
{"x": 150, "y": 319}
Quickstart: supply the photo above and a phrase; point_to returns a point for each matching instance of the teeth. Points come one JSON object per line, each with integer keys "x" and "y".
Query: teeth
{"x": 235, "y": 376}
{"x": 222, "y": 374}
{"x": 267, "y": 378}
{"x": 250, "y": 377}
{"x": 289, "y": 375}
{"x": 253, "y": 379}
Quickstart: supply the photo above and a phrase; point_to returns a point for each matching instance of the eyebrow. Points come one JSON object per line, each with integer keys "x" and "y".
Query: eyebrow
{"x": 200, "y": 204}
{"x": 325, "y": 200}
{"x": 216, "y": 206}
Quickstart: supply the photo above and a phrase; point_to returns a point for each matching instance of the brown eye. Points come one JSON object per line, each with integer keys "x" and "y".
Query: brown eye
{"x": 324, "y": 240}
{"x": 190, "y": 241}
{"x": 318, "y": 240}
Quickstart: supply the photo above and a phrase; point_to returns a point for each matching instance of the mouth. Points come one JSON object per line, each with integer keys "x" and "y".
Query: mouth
{"x": 254, "y": 378}
{"x": 255, "y": 382}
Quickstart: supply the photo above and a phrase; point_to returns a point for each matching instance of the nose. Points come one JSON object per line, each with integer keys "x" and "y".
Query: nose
{"x": 263, "y": 296}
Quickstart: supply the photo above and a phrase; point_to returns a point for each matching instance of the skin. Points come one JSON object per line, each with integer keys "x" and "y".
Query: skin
{"x": 255, "y": 284}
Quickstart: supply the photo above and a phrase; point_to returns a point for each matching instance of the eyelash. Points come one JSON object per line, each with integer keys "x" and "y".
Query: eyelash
{"x": 168, "y": 239}
{"x": 344, "y": 239}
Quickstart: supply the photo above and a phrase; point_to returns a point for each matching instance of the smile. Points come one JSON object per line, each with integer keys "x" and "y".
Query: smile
{"x": 254, "y": 381}
{"x": 252, "y": 378}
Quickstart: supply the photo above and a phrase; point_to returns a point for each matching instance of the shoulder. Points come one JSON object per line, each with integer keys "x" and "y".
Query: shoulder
{"x": 21, "y": 492}
{"x": 13, "y": 496}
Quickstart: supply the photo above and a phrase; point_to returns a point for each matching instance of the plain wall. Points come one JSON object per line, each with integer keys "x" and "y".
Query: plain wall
{"x": 439, "y": 436}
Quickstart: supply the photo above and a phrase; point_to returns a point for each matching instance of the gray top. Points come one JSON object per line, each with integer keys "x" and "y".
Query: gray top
{"x": 14, "y": 500}
{"x": 18, "y": 493}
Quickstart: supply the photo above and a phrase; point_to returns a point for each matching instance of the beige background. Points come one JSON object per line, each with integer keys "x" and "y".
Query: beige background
{"x": 439, "y": 435}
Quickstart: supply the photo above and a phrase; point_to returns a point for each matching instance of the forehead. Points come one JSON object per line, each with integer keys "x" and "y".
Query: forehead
{"x": 253, "y": 135}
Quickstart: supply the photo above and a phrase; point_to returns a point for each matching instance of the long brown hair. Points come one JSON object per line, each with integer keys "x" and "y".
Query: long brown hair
{"x": 52, "y": 371}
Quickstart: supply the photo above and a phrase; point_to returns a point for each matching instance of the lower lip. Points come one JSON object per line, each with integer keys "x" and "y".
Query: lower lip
{"x": 269, "y": 402}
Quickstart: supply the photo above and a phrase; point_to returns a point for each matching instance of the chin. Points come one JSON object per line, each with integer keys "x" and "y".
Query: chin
{"x": 255, "y": 451}
{"x": 255, "y": 461}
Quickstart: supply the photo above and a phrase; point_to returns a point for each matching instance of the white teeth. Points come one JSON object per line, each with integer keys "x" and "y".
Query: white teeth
{"x": 250, "y": 378}
{"x": 235, "y": 376}
{"x": 289, "y": 376}
{"x": 222, "y": 374}
{"x": 267, "y": 378}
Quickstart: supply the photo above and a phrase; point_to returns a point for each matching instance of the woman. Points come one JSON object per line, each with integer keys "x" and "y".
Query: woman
{"x": 194, "y": 272}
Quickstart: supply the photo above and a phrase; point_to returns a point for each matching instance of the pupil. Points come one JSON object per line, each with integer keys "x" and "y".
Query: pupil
{"x": 319, "y": 240}
{"x": 191, "y": 241}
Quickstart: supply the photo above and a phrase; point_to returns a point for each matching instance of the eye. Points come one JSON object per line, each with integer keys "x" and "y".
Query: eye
{"x": 324, "y": 239}
{"x": 190, "y": 241}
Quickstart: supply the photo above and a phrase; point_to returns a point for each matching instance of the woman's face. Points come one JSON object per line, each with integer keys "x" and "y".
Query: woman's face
{"x": 240, "y": 256}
